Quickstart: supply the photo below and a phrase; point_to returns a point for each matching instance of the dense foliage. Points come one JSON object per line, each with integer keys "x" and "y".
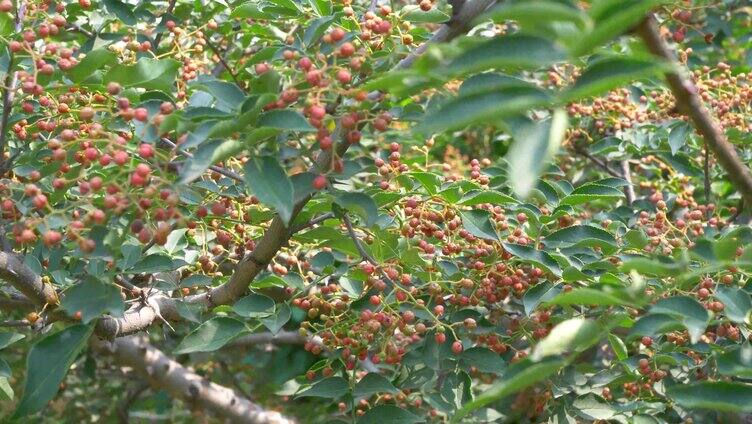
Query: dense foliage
{"x": 369, "y": 211}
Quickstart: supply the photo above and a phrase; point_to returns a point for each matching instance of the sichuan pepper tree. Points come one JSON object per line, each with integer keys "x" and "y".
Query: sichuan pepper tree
{"x": 286, "y": 211}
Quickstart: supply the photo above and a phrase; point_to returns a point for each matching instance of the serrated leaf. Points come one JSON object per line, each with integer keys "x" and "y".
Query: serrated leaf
{"x": 46, "y": 365}
{"x": 534, "y": 145}
{"x": 254, "y": 306}
{"x": 678, "y": 135}
{"x": 93, "y": 298}
{"x": 519, "y": 376}
{"x": 360, "y": 203}
{"x": 155, "y": 74}
{"x": 270, "y": 183}
{"x": 737, "y": 303}
{"x": 391, "y": 414}
{"x": 688, "y": 311}
{"x": 278, "y": 319}
{"x": 572, "y": 335}
{"x": 7, "y": 339}
{"x": 211, "y": 335}
{"x": 538, "y": 257}
{"x": 372, "y": 384}
{"x": 483, "y": 359}
{"x": 462, "y": 111}
{"x": 610, "y": 73}
{"x": 539, "y": 293}
{"x": 478, "y": 223}
{"x": 331, "y": 388}
{"x": 591, "y": 192}
{"x": 95, "y": 60}
{"x": 152, "y": 263}
{"x": 539, "y": 12}
{"x": 510, "y": 52}
{"x": 285, "y": 119}
{"x": 716, "y": 395}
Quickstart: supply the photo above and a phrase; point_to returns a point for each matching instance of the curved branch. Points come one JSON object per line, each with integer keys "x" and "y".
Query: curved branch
{"x": 690, "y": 103}
{"x": 277, "y": 235}
{"x": 182, "y": 383}
{"x": 24, "y": 279}
{"x": 267, "y": 338}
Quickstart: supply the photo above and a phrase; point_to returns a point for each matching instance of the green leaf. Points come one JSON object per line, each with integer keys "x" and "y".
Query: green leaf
{"x": 7, "y": 339}
{"x": 538, "y": 257}
{"x": 510, "y": 52}
{"x": 211, "y": 335}
{"x": 689, "y": 311}
{"x": 655, "y": 324}
{"x": 591, "y": 407}
{"x": 717, "y": 396}
{"x": 520, "y": 376}
{"x": 6, "y": 391}
{"x": 250, "y": 10}
{"x": 653, "y": 267}
{"x": 254, "y": 306}
{"x": 539, "y": 293}
{"x": 391, "y": 414}
{"x": 93, "y": 298}
{"x": 636, "y": 238}
{"x": 591, "y": 192}
{"x": 276, "y": 321}
{"x": 95, "y": 60}
{"x": 737, "y": 303}
{"x": 678, "y": 135}
{"x": 539, "y": 12}
{"x": 610, "y": 73}
{"x": 736, "y": 361}
{"x": 484, "y": 359}
{"x": 154, "y": 74}
{"x": 414, "y": 13}
{"x": 589, "y": 296}
{"x": 581, "y": 235}
{"x": 196, "y": 280}
{"x": 122, "y": 10}
{"x": 534, "y": 145}
{"x": 613, "y": 18}
{"x": 478, "y": 223}
{"x": 152, "y": 263}
{"x": 430, "y": 181}
{"x": 205, "y": 156}
{"x": 270, "y": 183}
{"x": 46, "y": 365}
{"x": 462, "y": 111}
{"x": 372, "y": 384}
{"x": 285, "y": 119}
{"x": 618, "y": 346}
{"x": 572, "y": 335}
{"x": 7, "y": 26}
{"x": 360, "y": 203}
{"x": 332, "y": 388}
{"x": 477, "y": 197}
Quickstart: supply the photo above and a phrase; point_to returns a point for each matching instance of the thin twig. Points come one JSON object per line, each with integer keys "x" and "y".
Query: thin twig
{"x": 689, "y": 102}
{"x": 313, "y": 221}
{"x": 706, "y": 170}
{"x": 15, "y": 323}
{"x": 629, "y": 188}
{"x": 132, "y": 396}
{"x": 599, "y": 162}
{"x": 10, "y": 83}
{"x": 218, "y": 169}
{"x": 76, "y": 28}
{"x": 351, "y": 231}
{"x": 224, "y": 63}
{"x": 158, "y": 37}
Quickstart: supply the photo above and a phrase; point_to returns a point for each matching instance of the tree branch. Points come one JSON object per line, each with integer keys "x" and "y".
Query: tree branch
{"x": 277, "y": 235}
{"x": 268, "y": 338}
{"x": 158, "y": 37}
{"x": 689, "y": 102}
{"x": 627, "y": 175}
{"x": 182, "y": 383}
{"x": 24, "y": 279}
{"x": 10, "y": 83}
